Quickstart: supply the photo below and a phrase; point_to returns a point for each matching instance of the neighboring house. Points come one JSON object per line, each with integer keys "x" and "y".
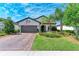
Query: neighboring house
{"x": 66, "y": 27}
{"x": 33, "y": 25}
{"x": 1, "y": 26}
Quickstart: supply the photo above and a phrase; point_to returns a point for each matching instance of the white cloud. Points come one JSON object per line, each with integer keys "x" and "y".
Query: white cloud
{"x": 25, "y": 4}
{"x": 3, "y": 8}
{"x": 18, "y": 15}
{"x": 28, "y": 10}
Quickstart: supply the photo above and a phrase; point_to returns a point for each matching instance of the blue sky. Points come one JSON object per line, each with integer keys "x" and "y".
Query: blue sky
{"x": 18, "y": 11}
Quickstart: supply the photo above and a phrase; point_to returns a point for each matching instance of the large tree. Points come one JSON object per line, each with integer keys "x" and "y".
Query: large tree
{"x": 71, "y": 16}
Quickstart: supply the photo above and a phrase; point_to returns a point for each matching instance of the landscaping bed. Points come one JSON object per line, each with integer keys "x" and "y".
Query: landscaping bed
{"x": 43, "y": 42}
{"x": 51, "y": 35}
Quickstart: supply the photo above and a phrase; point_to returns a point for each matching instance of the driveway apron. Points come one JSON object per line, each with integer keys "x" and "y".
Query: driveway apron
{"x": 21, "y": 42}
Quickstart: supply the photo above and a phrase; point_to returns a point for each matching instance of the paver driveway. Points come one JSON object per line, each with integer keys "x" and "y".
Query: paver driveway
{"x": 17, "y": 42}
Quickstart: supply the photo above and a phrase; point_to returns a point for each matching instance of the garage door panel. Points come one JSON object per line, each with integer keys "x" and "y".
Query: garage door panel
{"x": 29, "y": 28}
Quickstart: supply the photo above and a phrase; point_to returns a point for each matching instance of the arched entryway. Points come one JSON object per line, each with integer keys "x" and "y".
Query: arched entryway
{"x": 43, "y": 28}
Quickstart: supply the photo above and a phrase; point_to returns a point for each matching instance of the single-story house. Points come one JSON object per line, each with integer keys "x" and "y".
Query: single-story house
{"x": 33, "y": 25}
{"x": 2, "y": 25}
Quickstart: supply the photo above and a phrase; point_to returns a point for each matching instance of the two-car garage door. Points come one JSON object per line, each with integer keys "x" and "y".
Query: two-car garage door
{"x": 29, "y": 28}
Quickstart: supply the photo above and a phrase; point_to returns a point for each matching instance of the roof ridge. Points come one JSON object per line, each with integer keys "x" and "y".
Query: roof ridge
{"x": 32, "y": 18}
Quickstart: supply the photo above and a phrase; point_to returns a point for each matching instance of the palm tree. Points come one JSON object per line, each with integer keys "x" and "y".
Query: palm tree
{"x": 59, "y": 16}
{"x": 50, "y": 20}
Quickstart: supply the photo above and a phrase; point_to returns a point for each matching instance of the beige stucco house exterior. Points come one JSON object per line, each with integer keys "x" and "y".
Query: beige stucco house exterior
{"x": 33, "y": 25}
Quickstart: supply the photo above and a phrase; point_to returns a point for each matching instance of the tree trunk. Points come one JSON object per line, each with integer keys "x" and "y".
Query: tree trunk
{"x": 61, "y": 26}
{"x": 76, "y": 32}
{"x": 76, "y": 29}
{"x": 49, "y": 25}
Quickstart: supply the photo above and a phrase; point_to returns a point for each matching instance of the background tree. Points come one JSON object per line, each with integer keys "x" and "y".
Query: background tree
{"x": 2, "y": 19}
{"x": 9, "y": 25}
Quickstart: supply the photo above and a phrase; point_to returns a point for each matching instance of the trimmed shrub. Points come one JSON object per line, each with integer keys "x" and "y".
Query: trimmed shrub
{"x": 16, "y": 31}
{"x": 69, "y": 32}
{"x": 53, "y": 28}
{"x": 51, "y": 35}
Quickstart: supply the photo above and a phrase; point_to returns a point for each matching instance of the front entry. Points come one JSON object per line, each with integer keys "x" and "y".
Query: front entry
{"x": 43, "y": 28}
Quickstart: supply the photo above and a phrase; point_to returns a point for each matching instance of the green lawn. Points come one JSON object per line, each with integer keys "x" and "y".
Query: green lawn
{"x": 46, "y": 43}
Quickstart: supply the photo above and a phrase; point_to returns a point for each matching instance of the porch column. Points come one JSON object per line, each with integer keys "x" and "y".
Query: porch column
{"x": 47, "y": 28}
{"x": 39, "y": 27}
{"x": 20, "y": 29}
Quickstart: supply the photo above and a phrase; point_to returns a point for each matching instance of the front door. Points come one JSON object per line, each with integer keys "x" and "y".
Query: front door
{"x": 43, "y": 28}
